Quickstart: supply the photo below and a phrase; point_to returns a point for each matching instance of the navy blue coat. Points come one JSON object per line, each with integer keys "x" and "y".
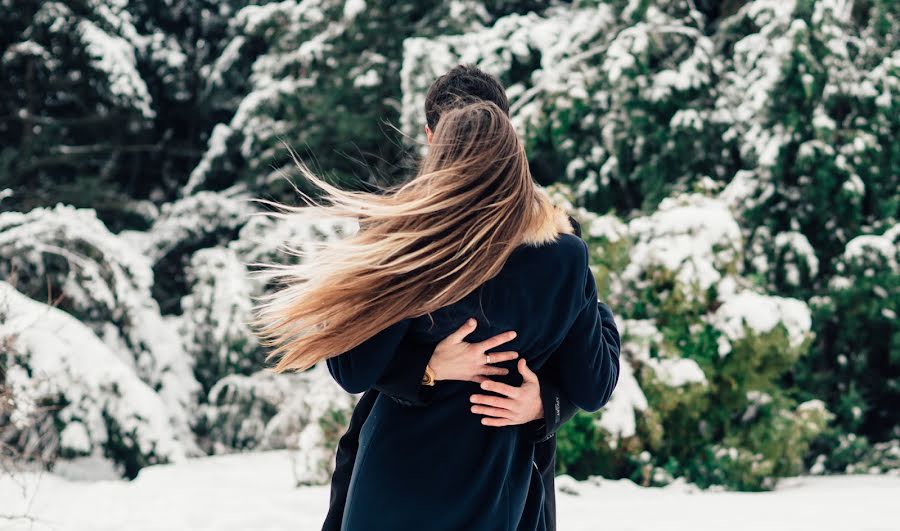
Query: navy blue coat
{"x": 557, "y": 411}
{"x": 436, "y": 467}
{"x": 402, "y": 385}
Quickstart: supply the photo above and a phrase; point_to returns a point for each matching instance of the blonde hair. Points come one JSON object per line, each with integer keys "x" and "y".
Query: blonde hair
{"x": 420, "y": 246}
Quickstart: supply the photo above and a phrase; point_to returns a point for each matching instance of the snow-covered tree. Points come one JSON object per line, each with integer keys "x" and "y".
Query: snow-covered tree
{"x": 63, "y": 379}
{"x": 703, "y": 352}
{"x": 216, "y": 314}
{"x": 734, "y": 167}
{"x": 69, "y": 256}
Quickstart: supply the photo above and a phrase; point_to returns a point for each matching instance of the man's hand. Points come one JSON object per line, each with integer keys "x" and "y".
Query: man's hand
{"x": 521, "y": 404}
{"x": 454, "y": 359}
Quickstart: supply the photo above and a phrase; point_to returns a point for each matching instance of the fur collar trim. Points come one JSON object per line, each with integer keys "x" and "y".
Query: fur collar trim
{"x": 551, "y": 221}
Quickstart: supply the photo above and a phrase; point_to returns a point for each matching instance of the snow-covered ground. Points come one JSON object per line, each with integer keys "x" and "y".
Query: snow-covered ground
{"x": 255, "y": 491}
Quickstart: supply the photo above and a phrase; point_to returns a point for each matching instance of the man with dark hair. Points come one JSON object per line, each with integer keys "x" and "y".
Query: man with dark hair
{"x": 462, "y": 85}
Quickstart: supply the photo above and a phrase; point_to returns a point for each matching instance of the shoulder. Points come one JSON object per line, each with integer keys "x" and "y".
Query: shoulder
{"x": 564, "y": 259}
{"x": 570, "y": 249}
{"x": 573, "y": 265}
{"x": 565, "y": 246}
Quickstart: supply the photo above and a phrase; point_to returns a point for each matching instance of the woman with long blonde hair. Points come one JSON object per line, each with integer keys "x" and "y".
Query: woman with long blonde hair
{"x": 471, "y": 236}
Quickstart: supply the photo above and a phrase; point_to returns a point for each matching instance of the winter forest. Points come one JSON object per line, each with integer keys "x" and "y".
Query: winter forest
{"x": 734, "y": 166}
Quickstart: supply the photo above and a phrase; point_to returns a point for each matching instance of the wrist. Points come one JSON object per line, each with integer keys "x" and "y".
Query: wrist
{"x": 538, "y": 411}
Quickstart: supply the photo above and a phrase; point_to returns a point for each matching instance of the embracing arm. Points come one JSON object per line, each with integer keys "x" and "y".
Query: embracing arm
{"x": 589, "y": 364}
{"x": 452, "y": 359}
{"x": 360, "y": 368}
{"x": 558, "y": 409}
{"x": 402, "y": 379}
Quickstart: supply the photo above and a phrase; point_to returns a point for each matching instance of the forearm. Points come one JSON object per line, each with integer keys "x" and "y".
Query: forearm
{"x": 360, "y": 368}
{"x": 402, "y": 380}
{"x": 591, "y": 348}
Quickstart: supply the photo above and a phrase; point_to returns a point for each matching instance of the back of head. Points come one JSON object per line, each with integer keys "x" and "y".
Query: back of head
{"x": 462, "y": 85}
{"x": 477, "y": 141}
{"x": 421, "y": 246}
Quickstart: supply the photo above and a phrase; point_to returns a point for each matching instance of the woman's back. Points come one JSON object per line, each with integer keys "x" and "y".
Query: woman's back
{"x": 537, "y": 293}
{"x": 437, "y": 467}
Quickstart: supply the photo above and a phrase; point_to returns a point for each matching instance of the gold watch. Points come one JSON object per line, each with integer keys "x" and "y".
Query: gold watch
{"x": 428, "y": 378}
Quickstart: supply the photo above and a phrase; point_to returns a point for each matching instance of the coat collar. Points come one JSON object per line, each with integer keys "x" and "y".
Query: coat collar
{"x": 551, "y": 221}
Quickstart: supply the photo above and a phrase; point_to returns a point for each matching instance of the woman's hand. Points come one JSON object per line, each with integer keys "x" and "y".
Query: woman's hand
{"x": 518, "y": 405}
{"x": 454, "y": 359}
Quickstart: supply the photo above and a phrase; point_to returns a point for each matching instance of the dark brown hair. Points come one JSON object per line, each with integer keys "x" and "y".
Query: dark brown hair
{"x": 462, "y": 85}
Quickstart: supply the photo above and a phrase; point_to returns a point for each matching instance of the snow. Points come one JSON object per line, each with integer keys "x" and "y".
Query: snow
{"x": 619, "y": 415}
{"x": 796, "y": 247}
{"x": 315, "y": 455}
{"x": 216, "y": 147}
{"x": 641, "y": 335}
{"x": 813, "y": 405}
{"x": 29, "y": 48}
{"x": 352, "y": 8}
{"x": 762, "y": 313}
{"x": 108, "y": 284}
{"x": 114, "y": 56}
{"x": 264, "y": 237}
{"x": 678, "y": 372}
{"x": 687, "y": 119}
{"x": 75, "y": 437}
{"x": 194, "y": 218}
{"x": 757, "y": 68}
{"x": 692, "y": 235}
{"x": 269, "y": 411}
{"x": 691, "y": 73}
{"x": 886, "y": 245}
{"x": 67, "y": 361}
{"x": 76, "y": 234}
{"x": 740, "y": 193}
{"x": 557, "y": 39}
{"x": 369, "y": 79}
{"x": 608, "y": 227}
{"x": 595, "y": 76}
{"x": 215, "y": 315}
{"x": 620, "y": 55}
{"x": 256, "y": 491}
{"x": 226, "y": 60}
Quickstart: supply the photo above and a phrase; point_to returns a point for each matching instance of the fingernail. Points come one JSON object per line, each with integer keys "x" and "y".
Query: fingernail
{"x": 513, "y": 334}
{"x": 470, "y": 322}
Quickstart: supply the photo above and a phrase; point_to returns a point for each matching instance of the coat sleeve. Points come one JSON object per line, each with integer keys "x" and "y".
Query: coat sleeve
{"x": 359, "y": 368}
{"x": 589, "y": 352}
{"x": 558, "y": 409}
{"x": 402, "y": 379}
